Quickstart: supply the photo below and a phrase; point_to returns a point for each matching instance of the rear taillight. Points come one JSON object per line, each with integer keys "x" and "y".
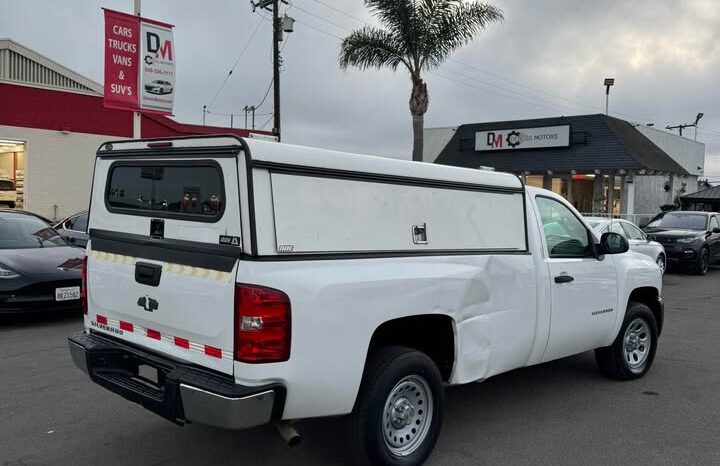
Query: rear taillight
{"x": 262, "y": 325}
{"x": 83, "y": 286}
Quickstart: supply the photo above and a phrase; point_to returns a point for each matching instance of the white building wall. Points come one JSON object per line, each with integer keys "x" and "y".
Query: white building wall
{"x": 58, "y": 169}
{"x": 686, "y": 152}
{"x": 650, "y": 194}
{"x": 435, "y": 140}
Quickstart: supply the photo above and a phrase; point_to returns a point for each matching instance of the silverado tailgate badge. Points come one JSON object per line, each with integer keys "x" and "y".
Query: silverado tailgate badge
{"x": 147, "y": 303}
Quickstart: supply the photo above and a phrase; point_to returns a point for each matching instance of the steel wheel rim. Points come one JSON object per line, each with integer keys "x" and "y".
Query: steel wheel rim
{"x": 661, "y": 263}
{"x": 637, "y": 341}
{"x": 407, "y": 415}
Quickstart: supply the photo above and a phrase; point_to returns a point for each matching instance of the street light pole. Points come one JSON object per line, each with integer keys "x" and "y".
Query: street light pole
{"x": 697, "y": 119}
{"x": 608, "y": 82}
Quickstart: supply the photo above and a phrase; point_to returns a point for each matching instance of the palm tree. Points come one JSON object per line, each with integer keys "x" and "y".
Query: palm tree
{"x": 420, "y": 35}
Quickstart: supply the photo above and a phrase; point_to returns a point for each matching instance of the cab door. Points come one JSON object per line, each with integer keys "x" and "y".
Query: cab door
{"x": 583, "y": 288}
{"x": 714, "y": 238}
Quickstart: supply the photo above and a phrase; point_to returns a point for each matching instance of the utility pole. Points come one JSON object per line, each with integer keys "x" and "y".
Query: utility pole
{"x": 278, "y": 28}
{"x": 690, "y": 125}
{"x": 277, "y": 37}
{"x": 137, "y": 116}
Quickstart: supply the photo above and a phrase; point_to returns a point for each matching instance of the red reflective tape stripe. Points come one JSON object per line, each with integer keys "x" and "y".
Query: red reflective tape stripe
{"x": 154, "y": 334}
{"x": 182, "y": 343}
{"x": 212, "y": 351}
{"x": 101, "y": 319}
{"x": 127, "y": 326}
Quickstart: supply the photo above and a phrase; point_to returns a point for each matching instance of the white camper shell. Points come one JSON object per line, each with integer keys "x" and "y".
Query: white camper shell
{"x": 261, "y": 282}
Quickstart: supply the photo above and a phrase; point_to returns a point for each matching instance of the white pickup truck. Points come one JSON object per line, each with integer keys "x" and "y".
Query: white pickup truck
{"x": 236, "y": 282}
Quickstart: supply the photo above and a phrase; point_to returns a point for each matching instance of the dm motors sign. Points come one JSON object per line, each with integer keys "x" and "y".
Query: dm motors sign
{"x": 157, "y": 67}
{"x": 139, "y": 63}
{"x": 526, "y": 138}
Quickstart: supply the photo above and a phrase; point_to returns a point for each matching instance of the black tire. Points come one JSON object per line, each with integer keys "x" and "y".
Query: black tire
{"x": 612, "y": 359}
{"x": 703, "y": 263}
{"x": 384, "y": 371}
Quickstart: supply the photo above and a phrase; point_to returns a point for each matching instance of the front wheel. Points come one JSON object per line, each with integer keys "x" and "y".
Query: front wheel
{"x": 703, "y": 263}
{"x": 398, "y": 413}
{"x": 632, "y": 353}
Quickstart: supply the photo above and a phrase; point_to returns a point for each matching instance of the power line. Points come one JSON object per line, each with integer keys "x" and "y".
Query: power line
{"x": 318, "y": 30}
{"x": 252, "y": 36}
{"x": 320, "y": 17}
{"x": 341, "y": 12}
{"x": 266, "y": 123}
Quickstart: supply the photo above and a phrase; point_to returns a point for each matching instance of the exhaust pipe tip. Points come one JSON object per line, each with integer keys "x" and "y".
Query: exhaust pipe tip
{"x": 288, "y": 433}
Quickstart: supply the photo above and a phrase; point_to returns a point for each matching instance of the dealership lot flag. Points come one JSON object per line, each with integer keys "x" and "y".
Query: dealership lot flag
{"x": 122, "y": 51}
{"x": 157, "y": 67}
{"x": 139, "y": 63}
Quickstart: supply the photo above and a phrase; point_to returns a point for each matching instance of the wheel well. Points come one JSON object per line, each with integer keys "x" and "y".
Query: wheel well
{"x": 434, "y": 335}
{"x": 649, "y": 296}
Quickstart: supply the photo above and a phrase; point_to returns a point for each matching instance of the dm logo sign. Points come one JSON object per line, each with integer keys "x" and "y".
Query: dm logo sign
{"x": 525, "y": 138}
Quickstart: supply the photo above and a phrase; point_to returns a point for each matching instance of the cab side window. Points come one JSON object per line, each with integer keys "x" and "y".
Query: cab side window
{"x": 616, "y": 228}
{"x": 713, "y": 223}
{"x": 80, "y": 223}
{"x": 633, "y": 232}
{"x": 565, "y": 234}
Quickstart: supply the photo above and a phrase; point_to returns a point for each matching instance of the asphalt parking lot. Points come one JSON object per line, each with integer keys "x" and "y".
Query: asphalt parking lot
{"x": 561, "y": 413}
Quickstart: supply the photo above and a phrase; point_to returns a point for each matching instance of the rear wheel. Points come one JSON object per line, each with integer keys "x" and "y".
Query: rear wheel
{"x": 703, "y": 263}
{"x": 632, "y": 353}
{"x": 398, "y": 413}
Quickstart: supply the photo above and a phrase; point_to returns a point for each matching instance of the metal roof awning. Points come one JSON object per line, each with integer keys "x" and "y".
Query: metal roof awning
{"x": 598, "y": 143}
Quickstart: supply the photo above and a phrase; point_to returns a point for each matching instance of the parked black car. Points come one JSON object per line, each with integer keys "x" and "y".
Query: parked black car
{"x": 690, "y": 238}
{"x": 39, "y": 271}
{"x": 74, "y": 229}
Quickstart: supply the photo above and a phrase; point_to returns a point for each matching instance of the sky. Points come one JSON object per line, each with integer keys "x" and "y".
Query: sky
{"x": 547, "y": 58}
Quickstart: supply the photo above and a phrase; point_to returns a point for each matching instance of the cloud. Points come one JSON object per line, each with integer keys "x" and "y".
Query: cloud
{"x": 665, "y": 56}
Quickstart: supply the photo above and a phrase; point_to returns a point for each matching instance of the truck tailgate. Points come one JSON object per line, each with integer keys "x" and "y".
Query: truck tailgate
{"x": 163, "y": 254}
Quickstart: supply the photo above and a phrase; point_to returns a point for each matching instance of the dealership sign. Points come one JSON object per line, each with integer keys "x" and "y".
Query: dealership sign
{"x": 139, "y": 63}
{"x": 525, "y": 138}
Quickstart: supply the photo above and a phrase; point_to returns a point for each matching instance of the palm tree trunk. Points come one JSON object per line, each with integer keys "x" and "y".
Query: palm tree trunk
{"x": 418, "y": 125}
{"x": 419, "y": 101}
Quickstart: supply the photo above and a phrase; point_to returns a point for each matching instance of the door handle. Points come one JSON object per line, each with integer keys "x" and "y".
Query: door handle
{"x": 564, "y": 279}
{"x": 148, "y": 274}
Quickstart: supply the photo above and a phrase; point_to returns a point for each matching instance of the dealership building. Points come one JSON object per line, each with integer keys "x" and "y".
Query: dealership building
{"x": 599, "y": 163}
{"x": 52, "y": 120}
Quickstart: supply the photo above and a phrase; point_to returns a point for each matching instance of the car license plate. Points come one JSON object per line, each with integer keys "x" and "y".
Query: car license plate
{"x": 67, "y": 293}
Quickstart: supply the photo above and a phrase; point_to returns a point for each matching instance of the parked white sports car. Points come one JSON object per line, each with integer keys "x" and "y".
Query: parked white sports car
{"x": 638, "y": 240}
{"x": 159, "y": 87}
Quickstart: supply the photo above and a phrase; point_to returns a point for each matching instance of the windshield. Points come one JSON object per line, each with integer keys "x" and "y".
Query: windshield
{"x": 7, "y": 185}
{"x": 593, "y": 223}
{"x": 684, "y": 221}
{"x": 19, "y": 231}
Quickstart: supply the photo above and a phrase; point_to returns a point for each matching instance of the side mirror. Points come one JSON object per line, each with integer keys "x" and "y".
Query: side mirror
{"x": 613, "y": 243}
{"x": 716, "y": 230}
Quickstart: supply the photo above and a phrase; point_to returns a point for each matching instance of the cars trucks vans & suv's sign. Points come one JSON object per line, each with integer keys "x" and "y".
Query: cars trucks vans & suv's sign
{"x": 139, "y": 63}
{"x": 525, "y": 138}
